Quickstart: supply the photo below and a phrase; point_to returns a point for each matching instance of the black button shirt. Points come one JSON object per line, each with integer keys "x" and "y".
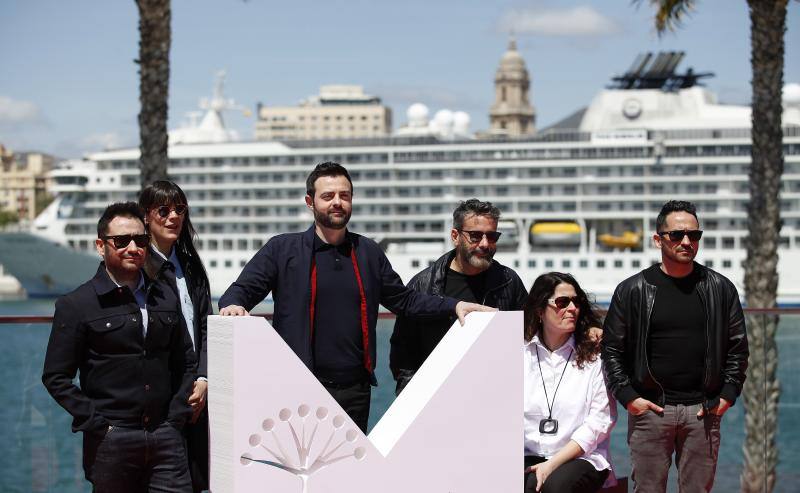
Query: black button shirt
{"x": 338, "y": 342}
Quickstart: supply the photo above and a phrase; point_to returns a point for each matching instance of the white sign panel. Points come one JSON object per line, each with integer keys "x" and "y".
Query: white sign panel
{"x": 456, "y": 428}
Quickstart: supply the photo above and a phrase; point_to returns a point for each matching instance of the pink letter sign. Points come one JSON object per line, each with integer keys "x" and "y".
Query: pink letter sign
{"x": 456, "y": 428}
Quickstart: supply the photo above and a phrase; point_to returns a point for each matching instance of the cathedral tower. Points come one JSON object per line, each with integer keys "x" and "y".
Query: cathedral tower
{"x": 512, "y": 113}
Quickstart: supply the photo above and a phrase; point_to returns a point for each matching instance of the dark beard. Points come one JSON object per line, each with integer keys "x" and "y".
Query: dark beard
{"x": 330, "y": 221}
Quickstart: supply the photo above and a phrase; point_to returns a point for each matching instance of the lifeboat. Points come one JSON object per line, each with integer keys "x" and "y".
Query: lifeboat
{"x": 561, "y": 233}
{"x": 628, "y": 239}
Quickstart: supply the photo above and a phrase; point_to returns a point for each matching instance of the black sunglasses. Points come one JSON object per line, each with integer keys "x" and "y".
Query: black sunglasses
{"x": 678, "y": 234}
{"x": 164, "y": 210}
{"x": 477, "y": 236}
{"x": 122, "y": 241}
{"x": 562, "y": 302}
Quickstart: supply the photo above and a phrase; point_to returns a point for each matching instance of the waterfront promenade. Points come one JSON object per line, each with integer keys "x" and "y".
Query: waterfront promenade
{"x": 42, "y": 455}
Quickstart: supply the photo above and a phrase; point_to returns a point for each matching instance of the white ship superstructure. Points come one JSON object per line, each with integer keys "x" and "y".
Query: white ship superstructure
{"x": 581, "y": 199}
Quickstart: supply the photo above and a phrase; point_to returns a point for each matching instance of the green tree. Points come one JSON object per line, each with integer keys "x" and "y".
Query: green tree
{"x": 155, "y": 38}
{"x": 761, "y": 390}
{"x": 8, "y": 217}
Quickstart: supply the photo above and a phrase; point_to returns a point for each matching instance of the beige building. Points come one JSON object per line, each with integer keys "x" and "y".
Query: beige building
{"x": 512, "y": 113}
{"x": 338, "y": 112}
{"x": 23, "y": 182}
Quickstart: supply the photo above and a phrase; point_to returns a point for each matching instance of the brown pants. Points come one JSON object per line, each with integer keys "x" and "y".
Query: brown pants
{"x": 652, "y": 438}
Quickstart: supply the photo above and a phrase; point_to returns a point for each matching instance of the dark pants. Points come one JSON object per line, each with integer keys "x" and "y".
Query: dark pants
{"x": 197, "y": 449}
{"x": 652, "y": 439}
{"x": 130, "y": 460}
{"x": 575, "y": 476}
{"x": 354, "y": 399}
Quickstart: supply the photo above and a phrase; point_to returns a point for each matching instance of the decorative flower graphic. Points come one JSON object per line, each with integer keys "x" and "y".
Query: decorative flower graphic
{"x": 304, "y": 462}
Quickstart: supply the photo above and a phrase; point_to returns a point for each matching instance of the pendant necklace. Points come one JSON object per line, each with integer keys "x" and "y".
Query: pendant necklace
{"x": 549, "y": 426}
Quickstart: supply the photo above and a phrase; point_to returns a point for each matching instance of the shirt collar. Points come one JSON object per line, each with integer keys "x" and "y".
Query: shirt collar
{"x": 568, "y": 346}
{"x": 343, "y": 247}
{"x": 104, "y": 283}
{"x": 163, "y": 257}
{"x": 139, "y": 287}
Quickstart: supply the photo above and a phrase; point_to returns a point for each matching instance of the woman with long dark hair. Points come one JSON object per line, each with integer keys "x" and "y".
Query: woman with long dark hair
{"x": 173, "y": 257}
{"x": 568, "y": 415}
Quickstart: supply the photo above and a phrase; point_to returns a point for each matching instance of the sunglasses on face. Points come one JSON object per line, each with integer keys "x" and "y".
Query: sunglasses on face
{"x": 122, "y": 241}
{"x": 677, "y": 235}
{"x": 477, "y": 236}
{"x": 562, "y": 302}
{"x": 179, "y": 209}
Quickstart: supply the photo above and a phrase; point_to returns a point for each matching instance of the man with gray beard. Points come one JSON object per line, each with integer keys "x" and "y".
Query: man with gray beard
{"x": 468, "y": 273}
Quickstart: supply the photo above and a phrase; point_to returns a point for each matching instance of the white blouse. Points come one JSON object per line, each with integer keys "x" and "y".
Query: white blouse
{"x": 581, "y": 404}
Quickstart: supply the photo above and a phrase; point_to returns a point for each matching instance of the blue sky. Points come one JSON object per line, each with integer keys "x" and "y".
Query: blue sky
{"x": 70, "y": 86}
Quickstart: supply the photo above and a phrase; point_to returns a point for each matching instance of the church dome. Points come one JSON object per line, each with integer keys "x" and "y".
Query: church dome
{"x": 512, "y": 65}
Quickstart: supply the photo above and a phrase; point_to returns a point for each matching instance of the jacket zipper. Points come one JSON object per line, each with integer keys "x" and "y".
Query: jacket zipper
{"x": 708, "y": 345}
{"x": 650, "y": 304}
{"x": 486, "y": 295}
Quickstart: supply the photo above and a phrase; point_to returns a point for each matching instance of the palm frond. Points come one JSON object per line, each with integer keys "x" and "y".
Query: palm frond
{"x": 669, "y": 14}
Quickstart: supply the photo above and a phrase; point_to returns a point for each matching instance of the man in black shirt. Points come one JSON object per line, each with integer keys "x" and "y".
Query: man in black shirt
{"x": 469, "y": 273}
{"x": 327, "y": 284}
{"x": 675, "y": 354}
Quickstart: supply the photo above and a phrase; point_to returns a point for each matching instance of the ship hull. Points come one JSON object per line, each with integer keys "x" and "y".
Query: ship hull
{"x": 44, "y": 268}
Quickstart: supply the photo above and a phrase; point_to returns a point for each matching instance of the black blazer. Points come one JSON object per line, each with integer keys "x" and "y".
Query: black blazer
{"x": 126, "y": 379}
{"x": 157, "y": 268}
{"x": 283, "y": 267}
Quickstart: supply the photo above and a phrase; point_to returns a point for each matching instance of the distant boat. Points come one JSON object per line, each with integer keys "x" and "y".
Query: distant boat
{"x": 628, "y": 239}
{"x": 555, "y": 233}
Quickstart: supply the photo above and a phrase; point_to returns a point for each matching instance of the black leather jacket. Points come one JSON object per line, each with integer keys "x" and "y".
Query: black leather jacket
{"x": 626, "y": 330}
{"x": 414, "y": 339}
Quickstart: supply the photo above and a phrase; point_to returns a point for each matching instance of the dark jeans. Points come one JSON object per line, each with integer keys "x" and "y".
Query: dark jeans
{"x": 354, "y": 399}
{"x": 130, "y": 460}
{"x": 652, "y": 439}
{"x": 575, "y": 476}
{"x": 197, "y": 450}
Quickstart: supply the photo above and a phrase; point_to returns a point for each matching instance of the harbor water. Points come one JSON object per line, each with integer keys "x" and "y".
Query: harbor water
{"x": 40, "y": 454}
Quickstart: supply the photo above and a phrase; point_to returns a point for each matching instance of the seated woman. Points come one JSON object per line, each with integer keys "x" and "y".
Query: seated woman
{"x": 568, "y": 417}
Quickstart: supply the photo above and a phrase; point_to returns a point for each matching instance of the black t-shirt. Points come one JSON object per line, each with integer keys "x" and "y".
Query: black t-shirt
{"x": 676, "y": 343}
{"x": 465, "y": 288}
{"x": 338, "y": 342}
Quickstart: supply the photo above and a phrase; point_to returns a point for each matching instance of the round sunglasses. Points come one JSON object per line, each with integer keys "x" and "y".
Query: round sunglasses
{"x": 165, "y": 210}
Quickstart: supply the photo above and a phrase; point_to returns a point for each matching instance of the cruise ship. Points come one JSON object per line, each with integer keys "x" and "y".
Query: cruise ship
{"x": 580, "y": 196}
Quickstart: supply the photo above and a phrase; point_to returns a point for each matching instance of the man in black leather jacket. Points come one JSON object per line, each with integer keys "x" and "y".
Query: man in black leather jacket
{"x": 469, "y": 273}
{"x": 675, "y": 354}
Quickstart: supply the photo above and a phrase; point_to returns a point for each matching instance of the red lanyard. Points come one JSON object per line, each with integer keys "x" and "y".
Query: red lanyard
{"x": 364, "y": 322}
